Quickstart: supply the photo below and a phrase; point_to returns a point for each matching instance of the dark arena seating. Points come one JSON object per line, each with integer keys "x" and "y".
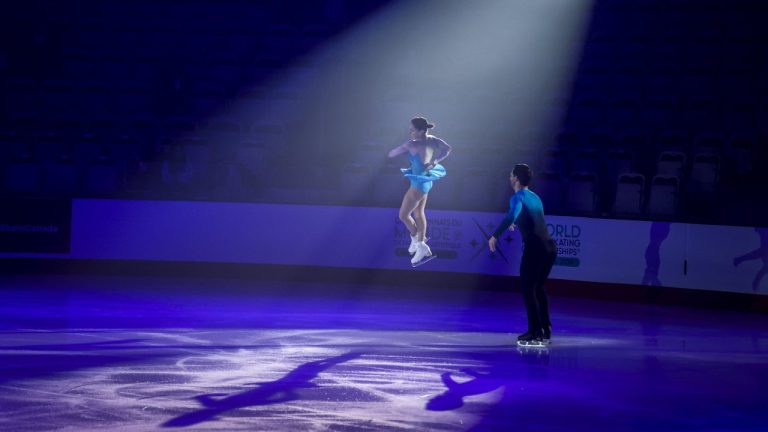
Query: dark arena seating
{"x": 180, "y": 100}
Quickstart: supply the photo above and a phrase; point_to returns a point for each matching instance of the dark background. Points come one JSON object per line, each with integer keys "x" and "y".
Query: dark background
{"x": 275, "y": 102}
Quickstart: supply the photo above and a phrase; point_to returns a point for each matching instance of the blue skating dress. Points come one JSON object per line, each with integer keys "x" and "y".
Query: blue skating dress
{"x": 421, "y": 180}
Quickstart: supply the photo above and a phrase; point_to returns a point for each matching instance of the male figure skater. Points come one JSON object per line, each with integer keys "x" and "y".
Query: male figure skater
{"x": 526, "y": 212}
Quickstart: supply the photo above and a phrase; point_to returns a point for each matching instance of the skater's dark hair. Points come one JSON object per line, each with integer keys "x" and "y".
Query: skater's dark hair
{"x": 523, "y": 173}
{"x": 420, "y": 123}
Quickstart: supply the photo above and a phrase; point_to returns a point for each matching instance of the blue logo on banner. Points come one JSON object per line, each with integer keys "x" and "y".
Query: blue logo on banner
{"x": 485, "y": 238}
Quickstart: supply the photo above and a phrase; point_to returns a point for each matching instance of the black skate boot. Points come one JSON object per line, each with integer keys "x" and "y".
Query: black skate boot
{"x": 547, "y": 336}
{"x": 531, "y": 339}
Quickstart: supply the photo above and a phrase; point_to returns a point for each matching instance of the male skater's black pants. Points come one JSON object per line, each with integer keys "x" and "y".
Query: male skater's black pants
{"x": 538, "y": 259}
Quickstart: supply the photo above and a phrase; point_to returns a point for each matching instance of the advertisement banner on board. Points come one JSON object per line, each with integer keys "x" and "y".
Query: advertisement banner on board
{"x": 35, "y": 225}
{"x": 589, "y": 249}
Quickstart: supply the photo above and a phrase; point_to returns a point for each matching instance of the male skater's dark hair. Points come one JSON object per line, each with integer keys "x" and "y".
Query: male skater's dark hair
{"x": 523, "y": 173}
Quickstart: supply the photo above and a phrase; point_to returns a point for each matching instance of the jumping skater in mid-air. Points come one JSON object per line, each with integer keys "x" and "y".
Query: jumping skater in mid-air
{"x": 526, "y": 212}
{"x": 425, "y": 153}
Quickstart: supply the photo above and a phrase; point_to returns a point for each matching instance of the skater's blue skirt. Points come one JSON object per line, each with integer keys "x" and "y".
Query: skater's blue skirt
{"x": 424, "y": 182}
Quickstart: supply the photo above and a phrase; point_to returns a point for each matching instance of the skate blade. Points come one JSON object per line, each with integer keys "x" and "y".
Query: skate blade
{"x": 539, "y": 352}
{"x": 531, "y": 344}
{"x": 424, "y": 261}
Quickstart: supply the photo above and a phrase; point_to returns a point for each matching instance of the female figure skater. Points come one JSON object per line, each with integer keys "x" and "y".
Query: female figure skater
{"x": 425, "y": 153}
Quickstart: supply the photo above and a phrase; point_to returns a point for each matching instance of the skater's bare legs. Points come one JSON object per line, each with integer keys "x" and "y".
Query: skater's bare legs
{"x": 421, "y": 219}
{"x": 410, "y": 202}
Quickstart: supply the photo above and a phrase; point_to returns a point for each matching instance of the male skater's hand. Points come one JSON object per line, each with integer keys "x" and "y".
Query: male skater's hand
{"x": 512, "y": 227}
{"x": 492, "y": 243}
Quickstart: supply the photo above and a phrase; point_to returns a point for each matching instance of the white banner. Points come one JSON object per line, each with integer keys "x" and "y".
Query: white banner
{"x": 614, "y": 251}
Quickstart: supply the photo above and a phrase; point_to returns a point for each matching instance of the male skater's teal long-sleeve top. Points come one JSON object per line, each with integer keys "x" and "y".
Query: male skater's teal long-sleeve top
{"x": 526, "y": 211}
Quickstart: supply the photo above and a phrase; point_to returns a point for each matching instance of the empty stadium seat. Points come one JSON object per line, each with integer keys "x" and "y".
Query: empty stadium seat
{"x": 630, "y": 190}
{"x": 581, "y": 196}
{"x": 663, "y": 199}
